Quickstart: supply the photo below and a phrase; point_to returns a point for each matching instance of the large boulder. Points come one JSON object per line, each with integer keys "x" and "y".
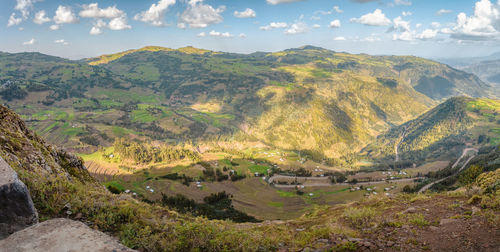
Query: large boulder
{"x": 16, "y": 207}
{"x": 60, "y": 235}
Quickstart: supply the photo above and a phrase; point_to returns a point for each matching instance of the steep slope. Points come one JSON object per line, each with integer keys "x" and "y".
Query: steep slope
{"x": 450, "y": 125}
{"x": 308, "y": 98}
{"x": 488, "y": 71}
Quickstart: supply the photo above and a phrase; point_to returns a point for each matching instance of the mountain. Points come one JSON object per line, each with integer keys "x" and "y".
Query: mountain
{"x": 489, "y": 71}
{"x": 310, "y": 99}
{"x": 442, "y": 130}
{"x": 61, "y": 187}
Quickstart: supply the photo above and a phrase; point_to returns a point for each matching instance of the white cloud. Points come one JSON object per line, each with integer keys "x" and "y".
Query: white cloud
{"x": 418, "y": 25}
{"x": 64, "y": 15}
{"x": 484, "y": 24}
{"x": 371, "y": 38}
{"x": 55, "y": 27}
{"x": 118, "y": 18}
{"x": 427, "y": 34}
{"x": 296, "y": 28}
{"x": 340, "y": 38}
{"x": 442, "y": 11}
{"x": 242, "y": 35}
{"x": 200, "y": 15}
{"x": 214, "y": 33}
{"x": 201, "y": 34}
{"x": 405, "y": 36}
{"x": 98, "y": 27}
{"x": 274, "y": 2}
{"x": 376, "y": 18}
{"x": 30, "y": 42}
{"x": 93, "y": 11}
{"x": 337, "y": 9}
{"x": 316, "y": 26}
{"x": 273, "y": 25}
{"x": 334, "y": 24}
{"x": 119, "y": 23}
{"x": 61, "y": 41}
{"x": 400, "y": 25}
{"x": 406, "y": 13}
{"x": 13, "y": 20}
{"x": 24, "y": 6}
{"x": 402, "y": 2}
{"x": 247, "y": 13}
{"x": 435, "y": 24}
{"x": 40, "y": 18}
{"x": 156, "y": 13}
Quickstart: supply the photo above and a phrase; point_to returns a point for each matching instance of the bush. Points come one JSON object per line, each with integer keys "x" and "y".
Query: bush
{"x": 359, "y": 217}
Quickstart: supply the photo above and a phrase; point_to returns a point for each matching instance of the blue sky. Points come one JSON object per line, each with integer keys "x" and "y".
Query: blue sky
{"x": 78, "y": 29}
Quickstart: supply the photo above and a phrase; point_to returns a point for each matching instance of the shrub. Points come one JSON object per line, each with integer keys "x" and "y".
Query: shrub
{"x": 359, "y": 217}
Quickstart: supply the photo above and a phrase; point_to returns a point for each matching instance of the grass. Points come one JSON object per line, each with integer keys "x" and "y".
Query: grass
{"x": 359, "y": 217}
{"x": 418, "y": 220}
{"x": 261, "y": 169}
{"x": 275, "y": 204}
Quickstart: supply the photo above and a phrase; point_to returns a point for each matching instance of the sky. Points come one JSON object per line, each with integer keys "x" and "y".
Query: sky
{"x": 81, "y": 28}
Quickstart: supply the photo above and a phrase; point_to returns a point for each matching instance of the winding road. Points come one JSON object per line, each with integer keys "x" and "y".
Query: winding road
{"x": 423, "y": 189}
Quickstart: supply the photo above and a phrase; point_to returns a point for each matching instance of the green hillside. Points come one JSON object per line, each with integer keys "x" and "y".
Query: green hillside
{"x": 449, "y": 126}
{"x": 310, "y": 99}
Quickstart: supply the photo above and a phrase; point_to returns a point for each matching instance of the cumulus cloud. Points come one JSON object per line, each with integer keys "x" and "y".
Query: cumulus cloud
{"x": 274, "y": 25}
{"x": 376, "y": 18}
{"x": 337, "y": 9}
{"x": 483, "y": 24}
{"x": 406, "y": 13}
{"x": 427, "y": 34}
{"x": 214, "y": 33}
{"x": 13, "y": 20}
{"x": 61, "y": 41}
{"x": 242, "y": 35}
{"x": 315, "y": 26}
{"x": 334, "y": 24}
{"x": 442, "y": 11}
{"x": 400, "y": 25}
{"x": 296, "y": 28}
{"x": 24, "y": 6}
{"x": 55, "y": 27}
{"x": 93, "y": 11}
{"x": 402, "y": 2}
{"x": 64, "y": 15}
{"x": 200, "y": 15}
{"x": 118, "y": 18}
{"x": 156, "y": 13}
{"x": 29, "y": 42}
{"x": 340, "y": 38}
{"x": 98, "y": 27}
{"x": 247, "y": 13}
{"x": 41, "y": 18}
{"x": 274, "y": 2}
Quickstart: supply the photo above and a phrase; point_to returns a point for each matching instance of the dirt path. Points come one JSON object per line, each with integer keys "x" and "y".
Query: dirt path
{"x": 396, "y": 148}
{"x": 423, "y": 189}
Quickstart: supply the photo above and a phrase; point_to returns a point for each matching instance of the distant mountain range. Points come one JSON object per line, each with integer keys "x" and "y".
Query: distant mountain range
{"x": 309, "y": 98}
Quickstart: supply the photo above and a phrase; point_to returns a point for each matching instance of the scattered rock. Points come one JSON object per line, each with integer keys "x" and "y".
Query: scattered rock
{"x": 16, "y": 208}
{"x": 447, "y": 221}
{"x": 433, "y": 228}
{"x": 475, "y": 210}
{"x": 390, "y": 243}
{"x": 60, "y": 235}
{"x": 410, "y": 210}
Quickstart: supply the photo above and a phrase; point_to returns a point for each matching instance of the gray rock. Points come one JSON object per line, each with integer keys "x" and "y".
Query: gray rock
{"x": 16, "y": 208}
{"x": 447, "y": 221}
{"x": 60, "y": 235}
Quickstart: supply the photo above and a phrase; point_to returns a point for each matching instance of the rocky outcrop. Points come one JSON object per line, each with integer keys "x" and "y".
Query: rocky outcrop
{"x": 60, "y": 235}
{"x": 16, "y": 207}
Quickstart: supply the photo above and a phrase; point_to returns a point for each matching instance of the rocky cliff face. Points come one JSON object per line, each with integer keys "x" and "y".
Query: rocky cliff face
{"x": 23, "y": 150}
{"x": 16, "y": 207}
